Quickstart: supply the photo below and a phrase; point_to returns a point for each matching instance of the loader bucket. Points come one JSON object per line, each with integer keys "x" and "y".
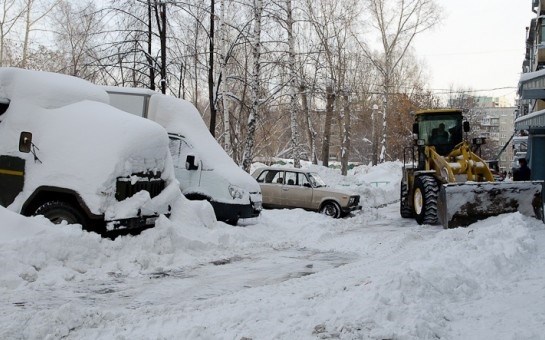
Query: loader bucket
{"x": 460, "y": 204}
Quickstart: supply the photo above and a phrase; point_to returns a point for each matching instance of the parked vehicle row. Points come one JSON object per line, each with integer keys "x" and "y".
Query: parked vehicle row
{"x": 202, "y": 167}
{"x": 65, "y": 153}
{"x": 113, "y": 159}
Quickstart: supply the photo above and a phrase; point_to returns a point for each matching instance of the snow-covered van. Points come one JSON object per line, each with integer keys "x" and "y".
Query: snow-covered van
{"x": 202, "y": 166}
{"x": 65, "y": 153}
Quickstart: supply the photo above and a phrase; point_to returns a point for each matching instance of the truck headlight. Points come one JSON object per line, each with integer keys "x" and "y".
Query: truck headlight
{"x": 236, "y": 192}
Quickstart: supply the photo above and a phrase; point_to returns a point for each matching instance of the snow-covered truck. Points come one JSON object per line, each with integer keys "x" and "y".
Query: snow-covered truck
{"x": 65, "y": 153}
{"x": 203, "y": 168}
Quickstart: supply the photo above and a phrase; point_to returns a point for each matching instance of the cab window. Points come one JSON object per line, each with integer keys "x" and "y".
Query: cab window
{"x": 271, "y": 176}
{"x": 303, "y": 180}
{"x": 179, "y": 149}
{"x": 291, "y": 178}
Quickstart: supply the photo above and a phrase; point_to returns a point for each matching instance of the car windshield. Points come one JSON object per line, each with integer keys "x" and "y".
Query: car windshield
{"x": 316, "y": 180}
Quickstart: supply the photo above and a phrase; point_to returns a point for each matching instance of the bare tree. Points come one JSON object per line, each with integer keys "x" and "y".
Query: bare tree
{"x": 32, "y": 17}
{"x": 345, "y": 145}
{"x": 10, "y": 17}
{"x": 397, "y": 22}
{"x": 332, "y": 23}
{"x": 211, "y": 96}
{"x": 76, "y": 26}
{"x": 294, "y": 140}
{"x": 255, "y": 86}
{"x": 313, "y": 157}
{"x": 330, "y": 103}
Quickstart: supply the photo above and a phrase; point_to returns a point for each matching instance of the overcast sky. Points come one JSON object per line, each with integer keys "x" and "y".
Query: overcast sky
{"x": 480, "y": 45}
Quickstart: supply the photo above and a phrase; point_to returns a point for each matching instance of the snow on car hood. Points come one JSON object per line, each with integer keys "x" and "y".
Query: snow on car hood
{"x": 178, "y": 116}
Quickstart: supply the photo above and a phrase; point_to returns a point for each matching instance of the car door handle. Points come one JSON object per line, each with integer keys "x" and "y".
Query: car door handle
{"x": 286, "y": 189}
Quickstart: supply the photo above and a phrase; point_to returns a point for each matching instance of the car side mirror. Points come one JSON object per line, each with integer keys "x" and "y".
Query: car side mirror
{"x": 466, "y": 126}
{"x": 25, "y": 142}
{"x": 191, "y": 163}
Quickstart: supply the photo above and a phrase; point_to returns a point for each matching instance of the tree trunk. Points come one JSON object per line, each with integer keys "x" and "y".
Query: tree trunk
{"x": 310, "y": 128}
{"x": 255, "y": 85}
{"x": 383, "y": 145}
{"x": 374, "y": 134}
{"x": 149, "y": 59}
{"x": 161, "y": 18}
{"x": 294, "y": 141}
{"x": 28, "y": 25}
{"x": 345, "y": 150}
{"x": 211, "y": 96}
{"x": 330, "y": 102}
{"x": 223, "y": 86}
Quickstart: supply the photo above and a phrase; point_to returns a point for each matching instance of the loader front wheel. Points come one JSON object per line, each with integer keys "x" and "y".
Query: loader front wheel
{"x": 425, "y": 196}
{"x": 404, "y": 207}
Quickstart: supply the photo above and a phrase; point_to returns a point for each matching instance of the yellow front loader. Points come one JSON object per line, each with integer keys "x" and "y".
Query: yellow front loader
{"x": 445, "y": 182}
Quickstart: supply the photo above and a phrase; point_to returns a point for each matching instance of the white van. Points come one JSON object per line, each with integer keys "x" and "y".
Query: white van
{"x": 202, "y": 167}
{"x": 65, "y": 153}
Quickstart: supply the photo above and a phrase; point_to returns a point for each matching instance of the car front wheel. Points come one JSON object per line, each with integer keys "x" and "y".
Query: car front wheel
{"x": 331, "y": 209}
{"x": 60, "y": 211}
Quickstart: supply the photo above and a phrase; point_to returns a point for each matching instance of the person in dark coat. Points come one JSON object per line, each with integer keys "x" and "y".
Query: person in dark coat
{"x": 523, "y": 173}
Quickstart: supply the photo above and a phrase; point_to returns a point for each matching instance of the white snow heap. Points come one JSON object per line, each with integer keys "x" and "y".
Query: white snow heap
{"x": 295, "y": 274}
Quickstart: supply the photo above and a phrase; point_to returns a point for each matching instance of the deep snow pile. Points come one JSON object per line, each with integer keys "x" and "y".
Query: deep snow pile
{"x": 292, "y": 275}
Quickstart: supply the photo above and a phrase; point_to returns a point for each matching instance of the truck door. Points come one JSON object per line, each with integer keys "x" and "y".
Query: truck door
{"x": 180, "y": 149}
{"x": 12, "y": 178}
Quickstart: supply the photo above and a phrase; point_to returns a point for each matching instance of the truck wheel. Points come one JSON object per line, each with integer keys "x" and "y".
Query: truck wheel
{"x": 59, "y": 211}
{"x": 332, "y": 209}
{"x": 232, "y": 221}
{"x": 404, "y": 207}
{"x": 425, "y": 200}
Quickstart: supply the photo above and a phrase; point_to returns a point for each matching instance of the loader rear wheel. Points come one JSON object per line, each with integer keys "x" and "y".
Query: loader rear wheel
{"x": 425, "y": 196}
{"x": 404, "y": 208}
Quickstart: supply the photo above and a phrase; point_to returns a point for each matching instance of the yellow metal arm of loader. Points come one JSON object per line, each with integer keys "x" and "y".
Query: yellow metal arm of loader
{"x": 460, "y": 165}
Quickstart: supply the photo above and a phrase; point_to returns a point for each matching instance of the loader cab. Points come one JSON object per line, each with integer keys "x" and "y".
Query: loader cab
{"x": 442, "y": 129}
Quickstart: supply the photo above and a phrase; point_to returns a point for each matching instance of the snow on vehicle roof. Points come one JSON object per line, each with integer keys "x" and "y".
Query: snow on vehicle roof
{"x": 180, "y": 117}
{"x": 129, "y": 90}
{"x": 82, "y": 142}
{"x": 47, "y": 90}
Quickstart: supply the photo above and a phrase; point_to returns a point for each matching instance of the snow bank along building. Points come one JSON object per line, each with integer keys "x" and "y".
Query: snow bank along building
{"x": 530, "y": 118}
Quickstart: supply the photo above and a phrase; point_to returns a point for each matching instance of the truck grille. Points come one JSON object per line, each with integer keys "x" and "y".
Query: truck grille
{"x": 130, "y": 185}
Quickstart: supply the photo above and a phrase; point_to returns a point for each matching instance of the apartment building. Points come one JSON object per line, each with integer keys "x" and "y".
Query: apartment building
{"x": 530, "y": 117}
{"x": 496, "y": 125}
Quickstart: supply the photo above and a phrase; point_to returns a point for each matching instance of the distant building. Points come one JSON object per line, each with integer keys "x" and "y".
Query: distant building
{"x": 530, "y": 117}
{"x": 496, "y": 125}
{"x": 471, "y": 101}
{"x": 483, "y": 101}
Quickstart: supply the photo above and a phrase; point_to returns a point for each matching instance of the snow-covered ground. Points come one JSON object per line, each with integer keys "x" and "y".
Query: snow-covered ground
{"x": 292, "y": 275}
